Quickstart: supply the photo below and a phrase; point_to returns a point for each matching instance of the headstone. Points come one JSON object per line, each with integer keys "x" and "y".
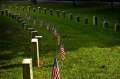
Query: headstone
{"x": 23, "y": 8}
{"x": 12, "y": 15}
{"x": 27, "y": 69}
{"x": 34, "y": 10}
{"x": 16, "y": 16}
{"x": 6, "y": 12}
{"x": 63, "y": 14}
{"x": 86, "y": 20}
{"x": 2, "y": 12}
{"x": 17, "y": 8}
{"x": 9, "y": 14}
{"x": 51, "y": 12}
{"x": 95, "y": 20}
{"x": 35, "y": 51}
{"x": 38, "y": 37}
{"x": 105, "y": 23}
{"x": 45, "y": 10}
{"x": 30, "y": 29}
{"x": 58, "y": 13}
{"x": 117, "y": 27}
{"x": 77, "y": 18}
{"x": 34, "y": 33}
{"x": 29, "y": 7}
{"x": 20, "y": 19}
{"x": 39, "y": 9}
{"x": 24, "y": 24}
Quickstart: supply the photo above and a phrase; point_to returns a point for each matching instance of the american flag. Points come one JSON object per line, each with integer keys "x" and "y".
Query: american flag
{"x": 55, "y": 70}
{"x": 58, "y": 40}
{"x": 55, "y": 33}
{"x": 62, "y": 51}
{"x": 47, "y": 26}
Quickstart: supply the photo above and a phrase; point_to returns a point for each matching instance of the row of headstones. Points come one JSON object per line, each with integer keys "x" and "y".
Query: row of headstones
{"x": 34, "y": 60}
{"x": 60, "y": 13}
{"x": 27, "y": 62}
{"x": 24, "y": 24}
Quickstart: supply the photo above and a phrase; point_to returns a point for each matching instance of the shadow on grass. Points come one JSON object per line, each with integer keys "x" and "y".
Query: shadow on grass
{"x": 13, "y": 41}
{"x": 10, "y": 66}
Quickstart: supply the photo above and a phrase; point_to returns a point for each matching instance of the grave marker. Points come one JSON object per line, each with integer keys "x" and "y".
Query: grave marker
{"x": 34, "y": 10}
{"x": 35, "y": 51}
{"x": 95, "y": 20}
{"x": 29, "y": 8}
{"x": 58, "y": 13}
{"x": 6, "y": 12}
{"x": 105, "y": 23}
{"x": 63, "y": 14}
{"x": 27, "y": 69}
{"x": 2, "y": 12}
{"x": 117, "y": 27}
{"x": 38, "y": 37}
{"x": 39, "y": 9}
{"x": 86, "y": 20}
{"x": 51, "y": 12}
{"x": 34, "y": 33}
{"x": 30, "y": 29}
{"x": 23, "y": 8}
{"x": 24, "y": 24}
{"x": 45, "y": 10}
{"x": 77, "y": 18}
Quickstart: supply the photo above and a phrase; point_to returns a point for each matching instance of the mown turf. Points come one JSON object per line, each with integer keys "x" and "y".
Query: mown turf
{"x": 91, "y": 52}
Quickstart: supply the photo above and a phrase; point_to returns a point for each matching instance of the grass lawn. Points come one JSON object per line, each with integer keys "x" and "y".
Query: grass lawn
{"x": 91, "y": 52}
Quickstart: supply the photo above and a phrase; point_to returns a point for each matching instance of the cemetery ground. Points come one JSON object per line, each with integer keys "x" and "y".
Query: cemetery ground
{"x": 91, "y": 52}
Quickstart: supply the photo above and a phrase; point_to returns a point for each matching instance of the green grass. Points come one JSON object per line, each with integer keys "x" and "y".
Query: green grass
{"x": 91, "y": 52}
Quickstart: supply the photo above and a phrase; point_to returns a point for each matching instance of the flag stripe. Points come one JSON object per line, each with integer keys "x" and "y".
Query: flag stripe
{"x": 55, "y": 70}
{"x": 62, "y": 52}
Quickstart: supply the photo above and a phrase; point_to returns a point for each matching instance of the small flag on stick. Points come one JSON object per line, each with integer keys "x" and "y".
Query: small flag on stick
{"x": 62, "y": 51}
{"x": 47, "y": 26}
{"x": 55, "y": 32}
{"x": 55, "y": 70}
